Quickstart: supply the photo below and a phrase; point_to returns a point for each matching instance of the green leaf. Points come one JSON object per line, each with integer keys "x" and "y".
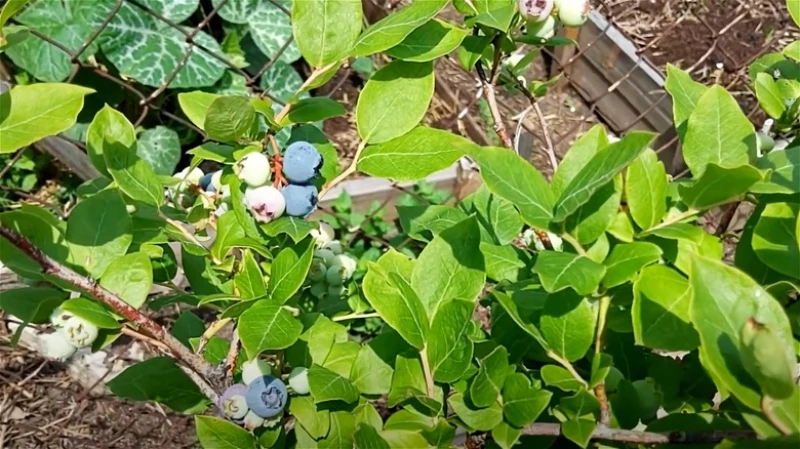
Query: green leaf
{"x": 289, "y": 270}
{"x": 33, "y": 112}
{"x": 160, "y": 147}
{"x": 228, "y": 231}
{"x": 316, "y": 422}
{"x": 512, "y": 309}
{"x": 627, "y": 259}
{"x": 187, "y": 327}
{"x": 296, "y": 228}
{"x": 481, "y": 419}
{"x": 723, "y": 291}
{"x": 769, "y": 96}
{"x": 393, "y": 29}
{"x": 414, "y": 155}
{"x": 326, "y": 386}
{"x": 766, "y": 360}
{"x": 505, "y": 435}
{"x": 159, "y": 379}
{"x": 340, "y": 25}
{"x": 432, "y": 40}
{"x": 567, "y": 323}
{"x": 107, "y": 126}
{"x": 522, "y": 403}
{"x": 133, "y": 176}
{"x": 267, "y": 326}
{"x": 719, "y": 185}
{"x": 314, "y": 109}
{"x": 776, "y": 238}
{"x": 599, "y": 171}
{"x": 794, "y": 10}
{"x": 488, "y": 383}
{"x": 448, "y": 345}
{"x": 558, "y": 271}
{"x": 227, "y": 119}
{"x": 9, "y": 9}
{"x": 69, "y": 24}
{"x": 343, "y": 428}
{"x": 92, "y": 312}
{"x": 579, "y": 404}
{"x": 195, "y": 105}
{"x": 99, "y": 231}
{"x": 685, "y": 94}
{"x": 495, "y": 13}
{"x": 341, "y": 358}
{"x": 661, "y": 310}
{"x": 497, "y": 217}
{"x": 403, "y": 439}
{"x": 395, "y": 98}
{"x": 451, "y": 266}
{"x": 31, "y": 304}
{"x": 502, "y": 262}
{"x": 579, "y": 431}
{"x": 785, "y": 172}
{"x": 148, "y": 50}
{"x": 370, "y": 373}
{"x": 471, "y": 50}
{"x": 316, "y": 342}
{"x": 392, "y": 296}
{"x": 717, "y": 132}
{"x": 130, "y": 277}
{"x": 216, "y": 433}
{"x": 282, "y": 81}
{"x": 646, "y": 190}
{"x": 249, "y": 281}
{"x": 408, "y": 384}
{"x": 367, "y": 436}
{"x": 43, "y": 233}
{"x": 512, "y": 178}
{"x": 416, "y": 220}
{"x": 558, "y": 377}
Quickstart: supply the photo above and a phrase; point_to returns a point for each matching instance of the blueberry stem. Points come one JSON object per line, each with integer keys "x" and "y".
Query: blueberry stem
{"x": 343, "y": 175}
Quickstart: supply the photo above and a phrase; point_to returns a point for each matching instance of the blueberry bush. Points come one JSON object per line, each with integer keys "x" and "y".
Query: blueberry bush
{"x": 592, "y": 308}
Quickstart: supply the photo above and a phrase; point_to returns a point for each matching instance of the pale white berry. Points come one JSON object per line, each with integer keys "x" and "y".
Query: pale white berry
{"x": 253, "y": 369}
{"x": 298, "y": 380}
{"x": 254, "y": 169}
{"x": 333, "y": 246}
{"x": 252, "y": 421}
{"x": 79, "y": 332}
{"x": 535, "y": 10}
{"x": 187, "y": 179}
{"x": 59, "y": 317}
{"x": 544, "y": 29}
{"x": 573, "y": 13}
{"x": 235, "y": 407}
{"x": 266, "y": 203}
{"x": 216, "y": 180}
{"x": 323, "y": 235}
{"x": 56, "y": 347}
{"x": 348, "y": 263}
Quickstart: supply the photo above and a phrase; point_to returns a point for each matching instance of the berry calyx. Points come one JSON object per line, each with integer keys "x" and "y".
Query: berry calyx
{"x": 535, "y": 10}
{"x": 79, "y": 332}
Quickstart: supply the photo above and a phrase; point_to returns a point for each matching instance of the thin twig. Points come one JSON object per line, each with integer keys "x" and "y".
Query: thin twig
{"x": 212, "y": 330}
{"x": 551, "y": 152}
{"x": 648, "y": 438}
{"x": 344, "y": 174}
{"x": 233, "y": 353}
{"x": 491, "y": 99}
{"x": 574, "y": 243}
{"x": 53, "y": 268}
{"x": 600, "y": 388}
{"x": 426, "y": 369}
{"x": 355, "y": 316}
{"x": 13, "y": 161}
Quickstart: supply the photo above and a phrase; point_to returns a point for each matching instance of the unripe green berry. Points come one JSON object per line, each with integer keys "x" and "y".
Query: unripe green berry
{"x": 318, "y": 290}
{"x": 55, "y": 346}
{"x": 252, "y": 421}
{"x": 334, "y": 246}
{"x": 298, "y": 380}
{"x": 79, "y": 332}
{"x": 326, "y": 255}
{"x": 573, "y": 13}
{"x": 335, "y": 291}
{"x": 317, "y": 271}
{"x": 764, "y": 142}
{"x": 254, "y": 369}
{"x": 335, "y": 275}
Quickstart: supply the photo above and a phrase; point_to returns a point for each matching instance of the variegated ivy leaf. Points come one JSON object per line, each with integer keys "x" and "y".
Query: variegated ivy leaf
{"x": 231, "y": 84}
{"x": 144, "y": 49}
{"x": 174, "y": 10}
{"x": 68, "y": 23}
{"x": 160, "y": 147}
{"x": 235, "y": 11}
{"x": 281, "y": 81}
{"x": 271, "y": 28}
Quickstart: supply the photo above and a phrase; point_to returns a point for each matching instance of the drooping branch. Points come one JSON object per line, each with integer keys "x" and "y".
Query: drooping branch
{"x": 649, "y": 438}
{"x": 156, "y": 331}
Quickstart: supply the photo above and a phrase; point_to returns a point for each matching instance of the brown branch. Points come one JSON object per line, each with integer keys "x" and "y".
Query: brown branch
{"x": 57, "y": 270}
{"x": 600, "y": 389}
{"x": 233, "y": 353}
{"x": 491, "y": 99}
{"x": 633, "y": 436}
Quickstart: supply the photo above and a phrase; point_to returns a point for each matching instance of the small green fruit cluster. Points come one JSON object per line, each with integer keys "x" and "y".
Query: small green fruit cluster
{"x": 330, "y": 268}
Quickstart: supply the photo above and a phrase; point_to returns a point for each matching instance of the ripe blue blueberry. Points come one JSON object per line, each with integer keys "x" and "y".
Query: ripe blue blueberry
{"x": 205, "y": 181}
{"x": 300, "y": 200}
{"x": 267, "y": 396}
{"x": 301, "y": 162}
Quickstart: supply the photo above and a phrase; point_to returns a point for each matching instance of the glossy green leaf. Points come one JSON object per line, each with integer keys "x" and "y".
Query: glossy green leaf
{"x": 769, "y": 95}
{"x": 451, "y": 266}
{"x": 522, "y": 320}
{"x": 92, "y": 312}
{"x": 448, "y": 346}
{"x": 558, "y": 377}
{"x": 326, "y": 386}
{"x": 32, "y": 112}
{"x": 250, "y": 281}
{"x": 395, "y": 99}
{"x": 661, "y": 310}
{"x": 685, "y": 94}
{"x": 42, "y": 232}
{"x": 343, "y": 427}
{"x": 500, "y": 222}
{"x": 289, "y": 270}
{"x": 719, "y": 185}
{"x": 776, "y": 238}
{"x": 368, "y": 436}
{"x": 579, "y": 431}
{"x": 471, "y": 50}
{"x": 160, "y": 147}
{"x": 488, "y": 383}
{"x": 267, "y": 326}
{"x": 228, "y": 231}
{"x": 718, "y": 132}
{"x": 31, "y": 304}
{"x": 159, "y": 379}
{"x": 646, "y": 190}
{"x": 502, "y": 262}
{"x": 99, "y": 231}
{"x": 195, "y": 105}
{"x": 392, "y": 296}
{"x": 9, "y": 9}
{"x": 227, "y": 119}
{"x": 341, "y": 358}
{"x": 495, "y": 13}
{"x": 627, "y": 259}
{"x": 558, "y": 271}
{"x": 423, "y": 222}
{"x": 393, "y": 29}
{"x": 296, "y": 228}
{"x": 217, "y": 433}
{"x": 785, "y": 172}
{"x": 314, "y": 109}
{"x": 481, "y": 419}
{"x": 408, "y": 384}
{"x": 512, "y": 178}
{"x": 599, "y": 171}
{"x": 339, "y": 22}
{"x": 723, "y": 291}
{"x": 432, "y": 40}
{"x": 133, "y": 176}
{"x": 794, "y": 10}
{"x": 107, "y": 126}
{"x": 130, "y": 277}
{"x": 316, "y": 341}
{"x": 414, "y": 155}
{"x": 567, "y": 323}
{"x": 370, "y": 373}
{"x": 523, "y": 403}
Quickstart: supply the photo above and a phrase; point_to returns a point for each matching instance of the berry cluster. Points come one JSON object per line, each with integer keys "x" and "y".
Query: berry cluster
{"x": 330, "y": 268}
{"x": 71, "y": 333}
{"x": 262, "y": 397}
{"x": 541, "y": 15}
